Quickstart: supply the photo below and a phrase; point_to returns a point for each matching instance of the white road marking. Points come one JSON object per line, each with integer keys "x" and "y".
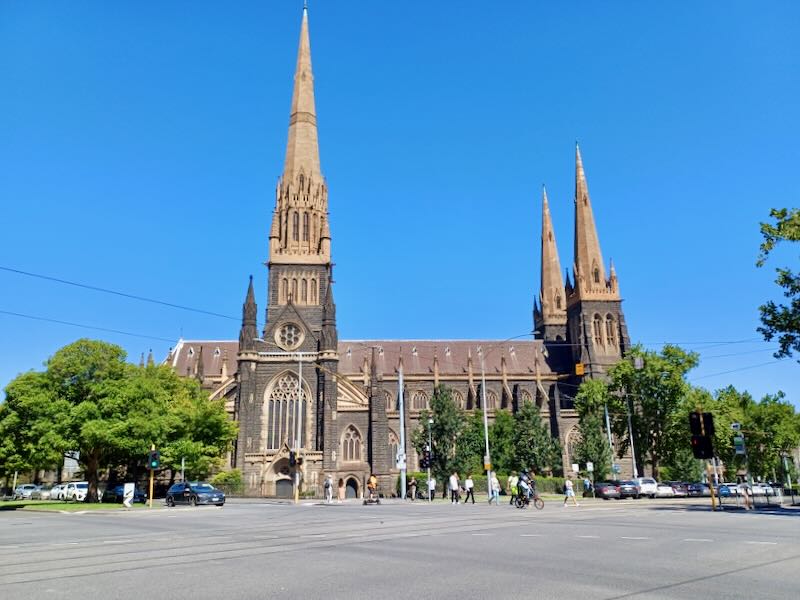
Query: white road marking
{"x": 763, "y": 543}
{"x": 8, "y": 547}
{"x": 588, "y": 536}
{"x": 481, "y": 534}
{"x": 313, "y": 535}
{"x": 116, "y": 541}
{"x": 530, "y": 535}
{"x": 697, "y": 540}
{"x": 625, "y": 537}
{"x": 66, "y": 544}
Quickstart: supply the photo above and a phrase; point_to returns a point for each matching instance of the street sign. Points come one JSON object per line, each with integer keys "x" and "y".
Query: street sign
{"x": 738, "y": 445}
{"x": 616, "y": 468}
{"x": 590, "y": 467}
{"x": 487, "y": 466}
{"x": 638, "y": 363}
{"x": 579, "y": 369}
{"x": 127, "y": 495}
{"x": 736, "y": 426}
{"x": 575, "y": 467}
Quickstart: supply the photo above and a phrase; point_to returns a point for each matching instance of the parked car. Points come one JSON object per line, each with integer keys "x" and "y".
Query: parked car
{"x": 647, "y": 486}
{"x": 76, "y": 491}
{"x": 57, "y": 493}
{"x": 697, "y": 490}
{"x": 116, "y": 493}
{"x": 606, "y": 490}
{"x": 628, "y": 489}
{"x": 24, "y": 491}
{"x": 43, "y": 492}
{"x": 681, "y": 489}
{"x": 664, "y": 490}
{"x": 726, "y": 490}
{"x": 194, "y": 493}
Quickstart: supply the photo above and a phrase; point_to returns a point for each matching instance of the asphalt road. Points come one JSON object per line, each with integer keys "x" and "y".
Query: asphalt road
{"x": 629, "y": 549}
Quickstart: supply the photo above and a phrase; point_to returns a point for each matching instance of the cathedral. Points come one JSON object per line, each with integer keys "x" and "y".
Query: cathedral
{"x": 294, "y": 385}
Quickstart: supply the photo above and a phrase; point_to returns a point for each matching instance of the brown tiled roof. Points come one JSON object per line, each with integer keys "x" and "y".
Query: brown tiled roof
{"x": 417, "y": 356}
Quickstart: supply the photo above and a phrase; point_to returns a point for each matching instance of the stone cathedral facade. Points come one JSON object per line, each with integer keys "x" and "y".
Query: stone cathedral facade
{"x": 293, "y": 383}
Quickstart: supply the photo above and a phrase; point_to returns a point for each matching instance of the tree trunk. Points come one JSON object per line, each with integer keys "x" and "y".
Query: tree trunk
{"x": 92, "y": 467}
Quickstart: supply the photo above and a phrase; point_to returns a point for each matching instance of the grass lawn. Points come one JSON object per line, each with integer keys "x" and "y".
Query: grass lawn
{"x": 42, "y": 505}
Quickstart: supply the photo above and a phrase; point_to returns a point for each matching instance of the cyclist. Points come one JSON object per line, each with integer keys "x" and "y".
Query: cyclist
{"x": 372, "y": 486}
{"x": 524, "y": 485}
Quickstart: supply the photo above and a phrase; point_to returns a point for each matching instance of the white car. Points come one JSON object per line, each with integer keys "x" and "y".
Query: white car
{"x": 647, "y": 486}
{"x": 57, "y": 493}
{"x": 664, "y": 491}
{"x": 76, "y": 491}
{"x": 24, "y": 491}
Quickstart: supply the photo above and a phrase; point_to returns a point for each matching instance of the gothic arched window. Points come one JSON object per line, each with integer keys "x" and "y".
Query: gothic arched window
{"x": 302, "y": 181}
{"x": 526, "y": 397}
{"x": 313, "y": 290}
{"x": 596, "y": 275}
{"x": 491, "y": 400}
{"x": 294, "y": 290}
{"x": 284, "y": 293}
{"x": 305, "y": 226}
{"x": 394, "y": 444}
{"x": 458, "y": 398}
{"x": 295, "y": 227}
{"x": 390, "y": 405}
{"x": 281, "y": 410}
{"x": 351, "y": 445}
{"x": 303, "y": 290}
{"x": 611, "y": 331}
{"x": 597, "y": 326}
{"x": 558, "y": 301}
{"x": 419, "y": 401}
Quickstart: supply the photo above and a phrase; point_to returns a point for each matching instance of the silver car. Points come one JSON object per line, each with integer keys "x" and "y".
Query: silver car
{"x": 43, "y": 492}
{"x": 24, "y": 491}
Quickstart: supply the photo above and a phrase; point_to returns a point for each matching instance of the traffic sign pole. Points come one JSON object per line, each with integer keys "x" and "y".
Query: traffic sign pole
{"x": 152, "y": 475}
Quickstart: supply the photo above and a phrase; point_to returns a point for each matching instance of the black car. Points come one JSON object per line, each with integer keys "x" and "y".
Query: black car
{"x": 194, "y": 493}
{"x": 697, "y": 490}
{"x": 628, "y": 489}
{"x": 606, "y": 490}
{"x": 117, "y": 494}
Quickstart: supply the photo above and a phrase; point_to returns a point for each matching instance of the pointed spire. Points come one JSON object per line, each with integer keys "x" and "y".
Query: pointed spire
{"x": 141, "y": 361}
{"x": 150, "y": 361}
{"x": 551, "y": 293}
{"x": 329, "y": 334}
{"x": 302, "y": 149}
{"x": 435, "y": 367}
{"x": 249, "y": 313}
{"x": 589, "y": 269}
{"x": 199, "y": 368}
{"x": 224, "y": 369}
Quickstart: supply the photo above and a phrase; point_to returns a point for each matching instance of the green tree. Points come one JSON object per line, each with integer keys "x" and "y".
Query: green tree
{"x": 534, "y": 446}
{"x": 471, "y": 445}
{"x": 654, "y": 393}
{"x": 782, "y": 320}
{"x": 590, "y": 402}
{"x": 502, "y": 441}
{"x": 447, "y": 426}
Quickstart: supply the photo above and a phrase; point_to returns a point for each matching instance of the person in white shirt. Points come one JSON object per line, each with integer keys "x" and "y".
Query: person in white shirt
{"x": 569, "y": 492}
{"x": 454, "y": 488}
{"x": 431, "y": 488}
{"x": 469, "y": 485}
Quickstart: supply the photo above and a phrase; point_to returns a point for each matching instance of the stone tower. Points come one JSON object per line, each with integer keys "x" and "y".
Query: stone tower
{"x": 596, "y": 326}
{"x": 550, "y": 314}
{"x": 287, "y": 386}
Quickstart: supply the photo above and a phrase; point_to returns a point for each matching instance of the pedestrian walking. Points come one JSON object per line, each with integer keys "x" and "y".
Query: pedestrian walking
{"x": 454, "y": 488}
{"x": 469, "y": 486}
{"x": 412, "y": 487}
{"x": 341, "y": 491}
{"x": 569, "y": 492}
{"x": 512, "y": 483}
{"x": 328, "y": 489}
{"x": 494, "y": 489}
{"x": 432, "y": 488}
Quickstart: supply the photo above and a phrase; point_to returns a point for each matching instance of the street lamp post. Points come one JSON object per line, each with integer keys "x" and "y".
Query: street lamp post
{"x": 298, "y": 418}
{"x": 487, "y": 459}
{"x": 430, "y": 454}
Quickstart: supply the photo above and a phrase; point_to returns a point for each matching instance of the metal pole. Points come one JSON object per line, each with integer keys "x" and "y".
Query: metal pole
{"x": 487, "y": 459}
{"x": 608, "y": 431}
{"x": 430, "y": 453}
{"x": 298, "y": 417}
{"x": 183, "y": 468}
{"x": 402, "y": 449}
{"x": 152, "y": 475}
{"x": 630, "y": 435}
{"x": 14, "y": 485}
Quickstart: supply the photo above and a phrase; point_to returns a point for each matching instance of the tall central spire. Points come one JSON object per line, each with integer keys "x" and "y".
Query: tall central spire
{"x": 300, "y": 233}
{"x": 302, "y": 149}
{"x": 552, "y": 298}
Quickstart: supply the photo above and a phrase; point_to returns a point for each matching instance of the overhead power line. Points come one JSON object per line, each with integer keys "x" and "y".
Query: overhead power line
{"x": 106, "y": 329}
{"x": 95, "y": 288}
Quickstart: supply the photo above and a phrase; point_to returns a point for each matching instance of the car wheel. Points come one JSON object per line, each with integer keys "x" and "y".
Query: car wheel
{"x": 170, "y": 501}
{"x": 222, "y": 504}
{"x": 192, "y": 501}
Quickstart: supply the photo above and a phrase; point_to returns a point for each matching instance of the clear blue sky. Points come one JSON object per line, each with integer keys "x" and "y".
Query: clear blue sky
{"x": 140, "y": 144}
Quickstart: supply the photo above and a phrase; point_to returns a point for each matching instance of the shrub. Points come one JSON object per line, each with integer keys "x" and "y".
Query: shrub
{"x": 229, "y": 482}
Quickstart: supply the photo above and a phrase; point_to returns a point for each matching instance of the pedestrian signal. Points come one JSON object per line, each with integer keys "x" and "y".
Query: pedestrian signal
{"x": 702, "y": 446}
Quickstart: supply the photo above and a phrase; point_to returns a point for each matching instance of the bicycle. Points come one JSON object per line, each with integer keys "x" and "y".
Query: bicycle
{"x": 522, "y": 501}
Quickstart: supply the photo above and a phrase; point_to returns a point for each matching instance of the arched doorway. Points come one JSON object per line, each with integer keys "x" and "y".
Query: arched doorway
{"x": 351, "y": 491}
{"x": 284, "y": 488}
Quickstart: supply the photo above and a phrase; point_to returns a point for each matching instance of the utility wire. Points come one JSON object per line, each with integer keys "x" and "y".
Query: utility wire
{"x": 38, "y": 318}
{"x": 116, "y": 293}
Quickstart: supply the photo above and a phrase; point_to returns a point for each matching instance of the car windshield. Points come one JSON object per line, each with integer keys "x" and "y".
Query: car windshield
{"x": 82, "y": 486}
{"x": 628, "y": 483}
{"x": 202, "y": 487}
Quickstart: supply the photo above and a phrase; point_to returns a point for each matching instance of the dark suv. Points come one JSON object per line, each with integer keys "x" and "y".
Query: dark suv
{"x": 194, "y": 493}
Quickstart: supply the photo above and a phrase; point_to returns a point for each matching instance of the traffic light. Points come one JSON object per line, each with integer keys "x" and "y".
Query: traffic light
{"x": 701, "y": 423}
{"x": 702, "y": 446}
{"x": 292, "y": 458}
{"x": 153, "y": 460}
{"x": 425, "y": 461}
